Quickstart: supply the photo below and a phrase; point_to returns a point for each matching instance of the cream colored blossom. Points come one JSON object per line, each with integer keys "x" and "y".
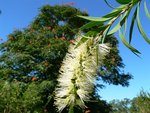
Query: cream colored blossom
{"x": 78, "y": 73}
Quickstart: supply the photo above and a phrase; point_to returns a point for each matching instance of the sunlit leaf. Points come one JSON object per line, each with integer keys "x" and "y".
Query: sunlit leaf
{"x": 123, "y": 39}
{"x": 105, "y": 33}
{"x": 146, "y": 10}
{"x": 125, "y": 27}
{"x": 98, "y": 19}
{"x": 119, "y": 25}
{"x": 132, "y": 25}
{"x": 140, "y": 26}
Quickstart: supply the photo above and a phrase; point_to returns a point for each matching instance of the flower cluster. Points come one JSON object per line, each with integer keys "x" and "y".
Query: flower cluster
{"x": 78, "y": 73}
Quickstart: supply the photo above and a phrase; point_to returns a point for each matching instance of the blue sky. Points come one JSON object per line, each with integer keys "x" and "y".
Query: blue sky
{"x": 18, "y": 14}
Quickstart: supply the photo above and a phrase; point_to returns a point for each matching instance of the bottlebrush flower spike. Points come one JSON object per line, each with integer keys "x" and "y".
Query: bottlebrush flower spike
{"x": 78, "y": 74}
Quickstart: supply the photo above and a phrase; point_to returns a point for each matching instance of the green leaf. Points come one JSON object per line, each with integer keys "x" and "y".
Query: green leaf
{"x": 125, "y": 27}
{"x": 114, "y": 13}
{"x": 82, "y": 40}
{"x": 134, "y": 2}
{"x": 115, "y": 29}
{"x": 96, "y": 31}
{"x": 140, "y": 26}
{"x": 123, "y": 1}
{"x": 146, "y": 10}
{"x": 90, "y": 25}
{"x": 119, "y": 25}
{"x": 97, "y": 19}
{"x": 132, "y": 25}
{"x": 92, "y": 33}
{"x": 123, "y": 39}
{"x": 105, "y": 33}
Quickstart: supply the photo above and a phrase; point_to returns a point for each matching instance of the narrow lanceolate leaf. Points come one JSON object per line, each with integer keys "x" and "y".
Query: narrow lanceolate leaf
{"x": 125, "y": 27}
{"x": 115, "y": 29}
{"x": 123, "y": 1}
{"x": 132, "y": 25}
{"x": 93, "y": 32}
{"x": 91, "y": 24}
{"x": 98, "y": 19}
{"x": 96, "y": 31}
{"x": 123, "y": 39}
{"x": 134, "y": 2}
{"x": 140, "y": 26}
{"x": 105, "y": 33}
{"x": 119, "y": 25}
{"x": 109, "y": 4}
{"x": 114, "y": 13}
{"x": 146, "y": 10}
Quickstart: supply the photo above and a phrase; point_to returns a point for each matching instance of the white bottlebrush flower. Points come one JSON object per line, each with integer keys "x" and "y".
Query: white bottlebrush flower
{"x": 78, "y": 73}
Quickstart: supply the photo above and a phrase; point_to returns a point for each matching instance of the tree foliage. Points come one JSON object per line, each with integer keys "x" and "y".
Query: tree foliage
{"x": 139, "y": 104}
{"x": 120, "y": 106}
{"x": 33, "y": 56}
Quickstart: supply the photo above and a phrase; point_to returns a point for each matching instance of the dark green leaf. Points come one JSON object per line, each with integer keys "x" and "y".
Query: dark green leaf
{"x": 96, "y": 31}
{"x": 91, "y": 24}
{"x": 146, "y": 10}
{"x": 102, "y": 27}
{"x": 92, "y": 33}
{"x": 140, "y": 26}
{"x": 123, "y": 1}
{"x": 114, "y": 13}
{"x": 132, "y": 25}
{"x": 134, "y": 2}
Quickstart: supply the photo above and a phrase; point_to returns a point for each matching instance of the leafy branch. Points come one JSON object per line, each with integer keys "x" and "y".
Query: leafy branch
{"x": 123, "y": 13}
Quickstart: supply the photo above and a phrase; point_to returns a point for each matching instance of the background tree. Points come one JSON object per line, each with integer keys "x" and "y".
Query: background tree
{"x": 33, "y": 56}
{"x": 120, "y": 106}
{"x": 35, "y": 53}
{"x": 141, "y": 103}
